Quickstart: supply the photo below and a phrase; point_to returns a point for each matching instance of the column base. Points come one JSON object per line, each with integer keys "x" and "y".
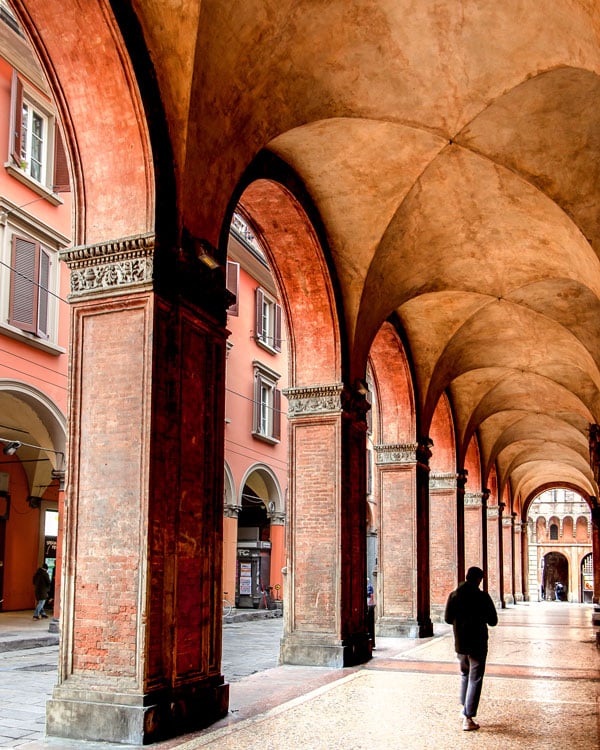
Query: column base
{"x": 135, "y": 719}
{"x": 397, "y": 627}
{"x": 425, "y": 629}
{"x": 315, "y": 650}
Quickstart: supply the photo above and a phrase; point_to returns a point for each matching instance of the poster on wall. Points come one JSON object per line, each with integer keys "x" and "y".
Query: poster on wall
{"x": 245, "y": 579}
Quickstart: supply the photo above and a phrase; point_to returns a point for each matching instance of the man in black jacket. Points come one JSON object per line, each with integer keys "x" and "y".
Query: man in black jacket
{"x": 470, "y": 610}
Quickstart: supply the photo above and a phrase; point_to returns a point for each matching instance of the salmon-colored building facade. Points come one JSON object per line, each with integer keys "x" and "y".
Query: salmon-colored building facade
{"x": 256, "y": 460}
{"x": 35, "y": 224}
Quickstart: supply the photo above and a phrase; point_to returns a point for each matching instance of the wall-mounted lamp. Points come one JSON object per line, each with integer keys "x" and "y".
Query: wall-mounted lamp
{"x": 11, "y": 447}
{"x": 205, "y": 254}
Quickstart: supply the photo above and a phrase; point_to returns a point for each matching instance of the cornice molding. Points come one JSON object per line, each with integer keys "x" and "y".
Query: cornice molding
{"x": 314, "y": 400}
{"x": 396, "y": 453}
{"x": 442, "y": 481}
{"x": 473, "y": 499}
{"x": 109, "y": 267}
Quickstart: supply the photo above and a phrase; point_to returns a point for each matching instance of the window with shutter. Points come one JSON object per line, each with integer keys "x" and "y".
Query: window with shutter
{"x": 266, "y": 423}
{"x": 61, "y": 182}
{"x": 268, "y": 322}
{"x": 29, "y": 287}
{"x": 233, "y": 284}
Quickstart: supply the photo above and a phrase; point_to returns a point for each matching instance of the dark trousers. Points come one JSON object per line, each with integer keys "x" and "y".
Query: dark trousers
{"x": 472, "y": 670}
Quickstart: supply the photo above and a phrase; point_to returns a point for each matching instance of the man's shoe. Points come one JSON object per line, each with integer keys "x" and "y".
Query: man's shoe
{"x": 35, "y": 617}
{"x": 469, "y": 725}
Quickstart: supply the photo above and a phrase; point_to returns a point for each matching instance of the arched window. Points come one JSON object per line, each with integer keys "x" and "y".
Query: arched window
{"x": 553, "y": 531}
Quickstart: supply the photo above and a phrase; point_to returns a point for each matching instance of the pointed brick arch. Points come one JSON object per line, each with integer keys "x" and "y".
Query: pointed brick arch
{"x": 324, "y": 614}
{"x": 78, "y": 65}
{"x": 396, "y": 485}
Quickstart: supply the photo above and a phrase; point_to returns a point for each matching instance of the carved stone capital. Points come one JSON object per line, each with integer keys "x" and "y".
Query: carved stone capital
{"x": 314, "y": 400}
{"x": 493, "y": 511}
{"x": 442, "y": 481}
{"x": 231, "y": 510}
{"x": 110, "y": 267}
{"x": 396, "y": 453}
{"x": 507, "y": 521}
{"x": 473, "y": 499}
{"x": 277, "y": 518}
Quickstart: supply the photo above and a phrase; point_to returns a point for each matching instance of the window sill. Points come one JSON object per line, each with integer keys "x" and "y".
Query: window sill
{"x": 266, "y": 438}
{"x": 28, "y": 338}
{"x": 52, "y": 198}
{"x": 263, "y": 345}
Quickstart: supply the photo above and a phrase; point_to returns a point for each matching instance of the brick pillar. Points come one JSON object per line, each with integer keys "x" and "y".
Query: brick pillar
{"x": 325, "y": 618}
{"x": 500, "y": 538}
{"x": 443, "y": 539}
{"x": 473, "y": 531}
{"x": 397, "y": 563}
{"x": 596, "y": 549}
{"x": 424, "y": 623}
{"x": 461, "y": 483}
{"x": 140, "y": 649}
{"x": 485, "y": 496}
{"x": 507, "y": 559}
{"x": 493, "y": 557}
{"x": 525, "y": 557}
{"x": 518, "y": 559}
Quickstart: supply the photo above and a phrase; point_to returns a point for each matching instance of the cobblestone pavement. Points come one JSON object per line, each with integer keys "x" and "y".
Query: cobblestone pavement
{"x": 28, "y": 675}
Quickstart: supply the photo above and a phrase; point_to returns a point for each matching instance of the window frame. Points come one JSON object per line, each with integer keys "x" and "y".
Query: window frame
{"x": 55, "y": 171}
{"x": 268, "y": 321}
{"x": 266, "y": 412}
{"x": 15, "y": 222}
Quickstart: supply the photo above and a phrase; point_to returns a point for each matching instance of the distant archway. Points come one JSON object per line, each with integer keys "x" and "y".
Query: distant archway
{"x": 556, "y": 571}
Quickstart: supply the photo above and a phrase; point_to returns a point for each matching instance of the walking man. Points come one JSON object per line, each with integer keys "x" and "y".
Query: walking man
{"x": 41, "y": 582}
{"x": 470, "y": 610}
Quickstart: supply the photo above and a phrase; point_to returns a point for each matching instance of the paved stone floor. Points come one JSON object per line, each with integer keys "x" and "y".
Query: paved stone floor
{"x": 541, "y": 692}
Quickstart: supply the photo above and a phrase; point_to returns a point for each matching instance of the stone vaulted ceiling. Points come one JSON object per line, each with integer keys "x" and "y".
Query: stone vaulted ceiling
{"x": 453, "y": 152}
{"x": 452, "y": 149}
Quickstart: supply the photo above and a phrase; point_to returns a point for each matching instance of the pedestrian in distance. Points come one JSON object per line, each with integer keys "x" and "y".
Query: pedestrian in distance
{"x": 41, "y": 583}
{"x": 470, "y": 610}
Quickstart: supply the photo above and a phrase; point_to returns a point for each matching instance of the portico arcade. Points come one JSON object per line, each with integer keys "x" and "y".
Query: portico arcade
{"x": 437, "y": 226}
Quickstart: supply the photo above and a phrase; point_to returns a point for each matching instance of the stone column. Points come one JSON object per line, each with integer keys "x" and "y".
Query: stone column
{"x": 443, "y": 539}
{"x": 424, "y": 623}
{"x": 473, "y": 530}
{"x": 277, "y": 519}
{"x": 396, "y": 467}
{"x": 325, "y": 618}
{"x": 140, "y": 649}
{"x": 231, "y": 513}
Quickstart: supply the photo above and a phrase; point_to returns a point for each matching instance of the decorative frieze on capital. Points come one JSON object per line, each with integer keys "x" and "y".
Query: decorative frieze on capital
{"x": 109, "y": 267}
{"x": 473, "y": 499}
{"x": 442, "y": 481}
{"x": 506, "y": 521}
{"x": 314, "y": 400}
{"x": 518, "y": 527}
{"x": 493, "y": 511}
{"x": 396, "y": 453}
{"x": 231, "y": 511}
